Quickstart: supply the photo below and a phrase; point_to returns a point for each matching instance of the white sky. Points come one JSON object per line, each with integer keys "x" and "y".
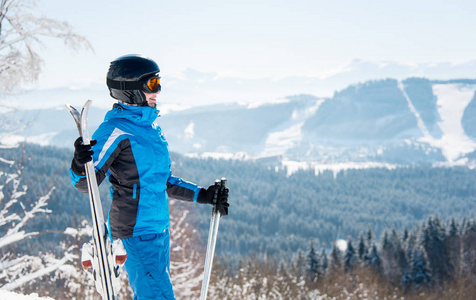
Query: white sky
{"x": 257, "y": 39}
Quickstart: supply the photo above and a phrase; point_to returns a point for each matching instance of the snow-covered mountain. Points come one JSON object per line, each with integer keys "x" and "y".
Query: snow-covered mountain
{"x": 376, "y": 123}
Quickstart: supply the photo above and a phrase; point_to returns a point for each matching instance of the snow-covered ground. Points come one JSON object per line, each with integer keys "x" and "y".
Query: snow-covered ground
{"x": 294, "y": 166}
{"x": 7, "y": 295}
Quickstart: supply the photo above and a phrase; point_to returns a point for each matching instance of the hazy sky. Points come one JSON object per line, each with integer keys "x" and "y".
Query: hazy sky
{"x": 256, "y": 39}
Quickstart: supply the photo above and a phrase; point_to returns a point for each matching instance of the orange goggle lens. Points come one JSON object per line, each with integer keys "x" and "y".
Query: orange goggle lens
{"x": 153, "y": 84}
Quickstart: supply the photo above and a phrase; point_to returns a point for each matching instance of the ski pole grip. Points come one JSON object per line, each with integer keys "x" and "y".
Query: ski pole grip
{"x": 223, "y": 182}
{"x": 215, "y": 195}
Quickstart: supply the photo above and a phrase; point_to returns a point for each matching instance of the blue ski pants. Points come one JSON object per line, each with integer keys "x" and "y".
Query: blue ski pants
{"x": 148, "y": 266}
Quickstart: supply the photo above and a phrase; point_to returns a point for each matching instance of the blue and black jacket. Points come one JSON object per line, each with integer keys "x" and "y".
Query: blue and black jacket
{"x": 133, "y": 153}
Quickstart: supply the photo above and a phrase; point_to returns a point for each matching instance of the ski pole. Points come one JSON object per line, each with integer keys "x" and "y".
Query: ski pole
{"x": 212, "y": 238}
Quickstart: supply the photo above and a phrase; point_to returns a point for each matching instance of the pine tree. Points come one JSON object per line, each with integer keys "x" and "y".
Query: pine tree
{"x": 313, "y": 264}
{"x": 370, "y": 237}
{"x": 471, "y": 227}
{"x": 336, "y": 258}
{"x": 402, "y": 259}
{"x": 468, "y": 262}
{"x": 420, "y": 274}
{"x": 410, "y": 244}
{"x": 433, "y": 241}
{"x": 374, "y": 260}
{"x": 454, "y": 230}
{"x": 453, "y": 244}
{"x": 385, "y": 242}
{"x": 405, "y": 235}
{"x": 299, "y": 265}
{"x": 324, "y": 261}
{"x": 362, "y": 248}
{"x": 350, "y": 259}
{"x": 394, "y": 262}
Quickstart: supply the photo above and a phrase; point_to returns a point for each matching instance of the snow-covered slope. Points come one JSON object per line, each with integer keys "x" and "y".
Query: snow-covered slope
{"x": 288, "y": 134}
{"x": 452, "y": 102}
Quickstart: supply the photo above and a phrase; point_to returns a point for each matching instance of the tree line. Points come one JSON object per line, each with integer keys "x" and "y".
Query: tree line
{"x": 271, "y": 213}
{"x": 435, "y": 260}
{"x": 275, "y": 214}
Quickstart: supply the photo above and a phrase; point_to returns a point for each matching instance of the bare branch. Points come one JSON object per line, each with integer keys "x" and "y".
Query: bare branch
{"x": 56, "y": 264}
{"x": 6, "y": 217}
{"x": 20, "y": 33}
{"x": 28, "y": 215}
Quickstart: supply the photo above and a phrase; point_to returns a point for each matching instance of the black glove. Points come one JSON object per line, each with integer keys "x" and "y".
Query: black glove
{"x": 82, "y": 154}
{"x": 205, "y": 196}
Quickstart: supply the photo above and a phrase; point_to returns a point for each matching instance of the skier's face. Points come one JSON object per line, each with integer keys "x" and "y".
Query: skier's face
{"x": 151, "y": 98}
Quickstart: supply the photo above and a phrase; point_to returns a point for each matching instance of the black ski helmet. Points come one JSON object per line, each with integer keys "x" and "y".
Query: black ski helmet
{"x": 127, "y": 77}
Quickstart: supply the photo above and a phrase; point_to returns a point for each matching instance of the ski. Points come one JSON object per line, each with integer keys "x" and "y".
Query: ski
{"x": 101, "y": 254}
{"x": 212, "y": 239}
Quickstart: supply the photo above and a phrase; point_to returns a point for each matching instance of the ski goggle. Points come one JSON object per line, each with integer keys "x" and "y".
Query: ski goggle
{"x": 149, "y": 84}
{"x": 152, "y": 85}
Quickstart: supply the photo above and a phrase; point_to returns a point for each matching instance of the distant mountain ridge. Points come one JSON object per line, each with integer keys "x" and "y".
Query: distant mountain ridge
{"x": 389, "y": 121}
{"x": 407, "y": 122}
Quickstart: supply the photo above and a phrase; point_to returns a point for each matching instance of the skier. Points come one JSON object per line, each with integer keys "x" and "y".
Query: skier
{"x": 130, "y": 149}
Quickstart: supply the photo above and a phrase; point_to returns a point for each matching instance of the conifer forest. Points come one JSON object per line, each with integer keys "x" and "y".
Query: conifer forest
{"x": 358, "y": 234}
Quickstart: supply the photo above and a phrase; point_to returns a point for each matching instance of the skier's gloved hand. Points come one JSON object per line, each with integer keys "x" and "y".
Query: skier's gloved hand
{"x": 82, "y": 154}
{"x": 205, "y": 196}
{"x": 222, "y": 202}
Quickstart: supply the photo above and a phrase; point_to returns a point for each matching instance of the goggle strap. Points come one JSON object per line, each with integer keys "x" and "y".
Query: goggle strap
{"x": 124, "y": 85}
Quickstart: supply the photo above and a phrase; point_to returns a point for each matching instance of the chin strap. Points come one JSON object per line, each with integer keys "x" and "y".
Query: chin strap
{"x": 128, "y": 104}
{"x": 144, "y": 103}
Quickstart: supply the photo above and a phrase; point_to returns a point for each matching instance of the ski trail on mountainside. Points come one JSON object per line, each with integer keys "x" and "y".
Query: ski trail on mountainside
{"x": 421, "y": 125}
{"x": 452, "y": 100}
{"x": 279, "y": 141}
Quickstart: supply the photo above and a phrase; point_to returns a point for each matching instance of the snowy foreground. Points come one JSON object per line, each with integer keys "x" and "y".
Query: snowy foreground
{"x": 13, "y": 296}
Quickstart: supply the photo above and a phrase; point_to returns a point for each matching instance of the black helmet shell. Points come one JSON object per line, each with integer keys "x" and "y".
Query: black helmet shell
{"x": 125, "y": 75}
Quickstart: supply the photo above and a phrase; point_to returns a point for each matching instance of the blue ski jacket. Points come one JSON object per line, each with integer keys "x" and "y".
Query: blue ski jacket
{"x": 133, "y": 153}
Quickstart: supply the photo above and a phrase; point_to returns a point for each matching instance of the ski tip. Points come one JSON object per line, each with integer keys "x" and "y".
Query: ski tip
{"x": 88, "y": 103}
{"x": 71, "y": 109}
